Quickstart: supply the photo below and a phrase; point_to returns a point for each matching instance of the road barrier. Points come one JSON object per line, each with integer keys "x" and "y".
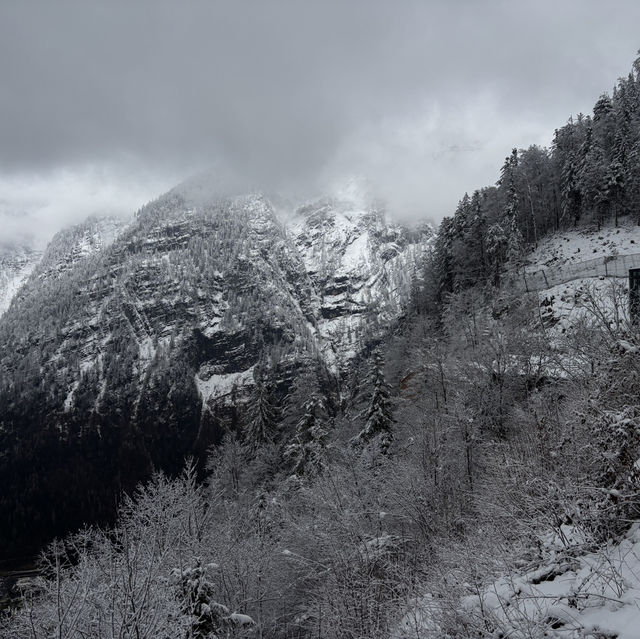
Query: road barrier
{"x": 606, "y": 266}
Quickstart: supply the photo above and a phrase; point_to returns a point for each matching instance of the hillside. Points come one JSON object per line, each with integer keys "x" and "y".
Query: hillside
{"x": 565, "y": 368}
{"x": 16, "y": 264}
{"x": 305, "y": 421}
{"x": 133, "y": 346}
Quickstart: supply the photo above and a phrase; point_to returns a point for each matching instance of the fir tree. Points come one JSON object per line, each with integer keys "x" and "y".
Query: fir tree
{"x": 263, "y": 421}
{"x": 378, "y": 415}
{"x": 306, "y": 450}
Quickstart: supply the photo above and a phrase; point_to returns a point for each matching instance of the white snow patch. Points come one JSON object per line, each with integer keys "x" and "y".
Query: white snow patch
{"x": 68, "y": 402}
{"x": 217, "y": 386}
{"x": 593, "y": 594}
{"x": 576, "y": 246}
{"x": 355, "y": 255}
{"x": 241, "y": 620}
{"x": 14, "y": 277}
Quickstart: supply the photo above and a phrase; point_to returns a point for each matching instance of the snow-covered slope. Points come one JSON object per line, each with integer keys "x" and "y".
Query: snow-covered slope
{"x": 66, "y": 249}
{"x": 74, "y": 244}
{"x": 16, "y": 264}
{"x": 361, "y": 266}
{"x": 581, "y": 277}
{"x": 580, "y": 245}
{"x": 574, "y": 594}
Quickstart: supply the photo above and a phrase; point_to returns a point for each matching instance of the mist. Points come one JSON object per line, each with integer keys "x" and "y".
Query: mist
{"x": 105, "y": 106}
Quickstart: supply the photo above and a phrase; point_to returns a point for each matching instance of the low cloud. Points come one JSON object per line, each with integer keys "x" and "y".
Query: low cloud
{"x": 105, "y": 105}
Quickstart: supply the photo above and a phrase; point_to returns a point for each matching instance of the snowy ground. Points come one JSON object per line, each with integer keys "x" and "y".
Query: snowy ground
{"x": 572, "y": 247}
{"x": 573, "y": 595}
{"x": 574, "y": 289}
{"x": 596, "y": 301}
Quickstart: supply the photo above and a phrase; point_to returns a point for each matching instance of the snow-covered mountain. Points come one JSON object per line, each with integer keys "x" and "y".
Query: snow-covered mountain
{"x": 145, "y": 343}
{"x": 66, "y": 249}
{"x": 328, "y": 276}
{"x": 360, "y": 266}
{"x": 16, "y": 264}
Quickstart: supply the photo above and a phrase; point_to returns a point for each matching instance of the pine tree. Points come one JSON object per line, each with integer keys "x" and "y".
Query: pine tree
{"x": 263, "y": 421}
{"x": 515, "y": 242}
{"x": 306, "y": 450}
{"x": 496, "y": 251}
{"x": 378, "y": 414}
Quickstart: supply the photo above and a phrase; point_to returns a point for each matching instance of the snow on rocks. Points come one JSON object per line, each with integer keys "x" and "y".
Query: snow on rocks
{"x": 16, "y": 264}
{"x": 357, "y": 261}
{"x": 213, "y": 387}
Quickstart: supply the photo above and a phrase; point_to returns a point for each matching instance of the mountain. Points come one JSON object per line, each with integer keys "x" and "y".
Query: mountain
{"x": 16, "y": 264}
{"x": 357, "y": 262}
{"x": 131, "y": 347}
{"x": 66, "y": 249}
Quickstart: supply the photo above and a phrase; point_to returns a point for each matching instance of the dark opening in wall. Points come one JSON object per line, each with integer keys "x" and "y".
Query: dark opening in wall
{"x": 634, "y": 295}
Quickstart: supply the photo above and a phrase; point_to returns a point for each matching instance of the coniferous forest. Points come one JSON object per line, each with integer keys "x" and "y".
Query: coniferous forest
{"x": 589, "y": 176}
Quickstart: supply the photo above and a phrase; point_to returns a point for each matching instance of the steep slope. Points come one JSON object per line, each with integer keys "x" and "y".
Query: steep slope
{"x": 360, "y": 266}
{"x": 581, "y": 277}
{"x": 131, "y": 348}
{"x": 65, "y": 250}
{"x": 16, "y": 264}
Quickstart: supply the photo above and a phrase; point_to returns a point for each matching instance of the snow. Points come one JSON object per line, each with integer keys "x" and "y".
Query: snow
{"x": 596, "y": 303}
{"x": 241, "y": 620}
{"x": 575, "y": 289}
{"x": 578, "y": 254}
{"x": 355, "y": 255}
{"x": 14, "y": 271}
{"x": 146, "y": 349}
{"x": 11, "y": 287}
{"x": 216, "y": 386}
{"x": 595, "y": 592}
{"x": 355, "y": 261}
{"x": 576, "y": 246}
{"x": 68, "y": 402}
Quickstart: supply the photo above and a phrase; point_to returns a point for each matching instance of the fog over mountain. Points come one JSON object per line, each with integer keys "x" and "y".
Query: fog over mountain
{"x": 104, "y": 105}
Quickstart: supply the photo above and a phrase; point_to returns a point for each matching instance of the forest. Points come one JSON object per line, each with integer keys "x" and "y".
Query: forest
{"x": 463, "y": 439}
{"x": 591, "y": 175}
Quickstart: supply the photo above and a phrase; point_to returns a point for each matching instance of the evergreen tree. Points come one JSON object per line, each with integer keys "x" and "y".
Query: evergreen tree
{"x": 263, "y": 420}
{"x": 306, "y": 451}
{"x": 378, "y": 414}
{"x": 497, "y": 245}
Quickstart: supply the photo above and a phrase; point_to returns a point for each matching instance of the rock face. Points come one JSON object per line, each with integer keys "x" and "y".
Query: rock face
{"x": 360, "y": 266}
{"x": 16, "y": 264}
{"x": 131, "y": 347}
{"x": 65, "y": 250}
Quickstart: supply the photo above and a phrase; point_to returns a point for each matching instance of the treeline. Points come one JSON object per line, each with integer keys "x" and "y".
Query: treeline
{"x": 591, "y": 175}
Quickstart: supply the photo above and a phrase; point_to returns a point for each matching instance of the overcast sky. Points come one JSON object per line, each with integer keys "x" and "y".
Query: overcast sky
{"x": 104, "y": 105}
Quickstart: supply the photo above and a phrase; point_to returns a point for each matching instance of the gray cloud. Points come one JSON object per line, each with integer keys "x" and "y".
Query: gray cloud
{"x": 424, "y": 97}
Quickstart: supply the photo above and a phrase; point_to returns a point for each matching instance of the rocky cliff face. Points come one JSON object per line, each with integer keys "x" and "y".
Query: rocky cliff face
{"x": 360, "y": 266}
{"x": 16, "y": 264}
{"x": 64, "y": 252}
{"x": 131, "y": 347}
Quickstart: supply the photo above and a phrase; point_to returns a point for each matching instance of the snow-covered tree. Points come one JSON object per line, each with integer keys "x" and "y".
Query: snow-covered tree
{"x": 378, "y": 415}
{"x": 263, "y": 419}
{"x": 306, "y": 450}
{"x": 207, "y": 617}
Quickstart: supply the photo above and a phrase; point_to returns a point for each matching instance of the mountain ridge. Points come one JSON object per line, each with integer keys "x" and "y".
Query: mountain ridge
{"x": 132, "y": 346}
